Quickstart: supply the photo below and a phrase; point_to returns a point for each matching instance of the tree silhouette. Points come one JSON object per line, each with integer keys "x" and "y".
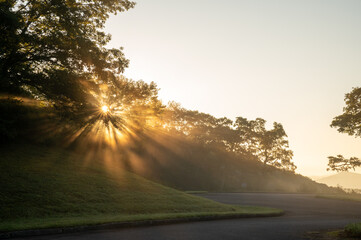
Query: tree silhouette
{"x": 339, "y": 163}
{"x": 349, "y": 122}
{"x": 240, "y": 137}
{"x": 270, "y": 146}
{"x": 55, "y": 49}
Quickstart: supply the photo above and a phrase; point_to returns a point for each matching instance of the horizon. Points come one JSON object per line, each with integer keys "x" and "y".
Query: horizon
{"x": 290, "y": 62}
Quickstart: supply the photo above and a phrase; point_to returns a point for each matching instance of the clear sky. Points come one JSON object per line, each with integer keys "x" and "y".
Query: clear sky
{"x": 286, "y": 61}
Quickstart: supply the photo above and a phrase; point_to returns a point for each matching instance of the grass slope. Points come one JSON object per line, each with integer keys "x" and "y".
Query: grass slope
{"x": 180, "y": 163}
{"x": 46, "y": 187}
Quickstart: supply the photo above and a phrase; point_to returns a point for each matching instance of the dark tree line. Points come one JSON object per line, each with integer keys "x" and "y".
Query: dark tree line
{"x": 240, "y": 136}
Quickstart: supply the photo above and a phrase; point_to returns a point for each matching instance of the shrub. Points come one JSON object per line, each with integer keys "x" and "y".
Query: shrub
{"x": 353, "y": 230}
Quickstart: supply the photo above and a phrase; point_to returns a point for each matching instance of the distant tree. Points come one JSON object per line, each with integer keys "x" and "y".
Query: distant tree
{"x": 349, "y": 122}
{"x": 340, "y": 163}
{"x": 249, "y": 132}
{"x": 246, "y": 137}
{"x": 270, "y": 146}
{"x": 55, "y": 49}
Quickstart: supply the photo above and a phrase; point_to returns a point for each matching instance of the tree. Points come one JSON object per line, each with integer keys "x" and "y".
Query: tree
{"x": 249, "y": 137}
{"x": 340, "y": 163}
{"x": 349, "y": 122}
{"x": 200, "y": 127}
{"x": 134, "y": 103}
{"x": 55, "y": 49}
{"x": 270, "y": 146}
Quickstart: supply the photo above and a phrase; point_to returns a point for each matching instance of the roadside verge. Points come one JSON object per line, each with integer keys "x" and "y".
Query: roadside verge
{"x": 137, "y": 221}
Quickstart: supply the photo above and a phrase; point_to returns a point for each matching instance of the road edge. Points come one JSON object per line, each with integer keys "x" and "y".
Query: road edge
{"x": 119, "y": 225}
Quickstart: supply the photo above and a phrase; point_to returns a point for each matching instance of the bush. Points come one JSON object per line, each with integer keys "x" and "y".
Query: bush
{"x": 353, "y": 230}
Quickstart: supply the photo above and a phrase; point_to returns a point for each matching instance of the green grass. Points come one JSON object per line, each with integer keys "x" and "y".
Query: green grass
{"x": 350, "y": 196}
{"x": 47, "y": 187}
{"x": 353, "y": 230}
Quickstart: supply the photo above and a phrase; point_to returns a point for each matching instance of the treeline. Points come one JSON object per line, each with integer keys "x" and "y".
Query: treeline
{"x": 136, "y": 109}
{"x": 241, "y": 136}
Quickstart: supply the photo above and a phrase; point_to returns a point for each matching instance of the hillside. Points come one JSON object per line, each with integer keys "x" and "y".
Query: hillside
{"x": 343, "y": 179}
{"x": 181, "y": 164}
{"x": 49, "y": 187}
{"x": 100, "y": 179}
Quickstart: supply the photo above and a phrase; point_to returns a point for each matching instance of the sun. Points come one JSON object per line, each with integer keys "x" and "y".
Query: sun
{"x": 105, "y": 109}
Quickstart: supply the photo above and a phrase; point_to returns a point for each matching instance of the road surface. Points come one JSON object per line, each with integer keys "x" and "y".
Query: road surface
{"x": 304, "y": 213}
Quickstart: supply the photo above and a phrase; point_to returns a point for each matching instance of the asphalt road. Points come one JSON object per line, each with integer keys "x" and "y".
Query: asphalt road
{"x": 304, "y": 213}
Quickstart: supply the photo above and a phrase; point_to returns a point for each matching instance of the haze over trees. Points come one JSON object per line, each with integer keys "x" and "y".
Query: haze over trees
{"x": 242, "y": 136}
{"x": 270, "y": 146}
{"x": 349, "y": 122}
{"x": 53, "y": 52}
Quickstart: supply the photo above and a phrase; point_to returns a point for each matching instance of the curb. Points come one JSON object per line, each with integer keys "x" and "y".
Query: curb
{"x": 117, "y": 225}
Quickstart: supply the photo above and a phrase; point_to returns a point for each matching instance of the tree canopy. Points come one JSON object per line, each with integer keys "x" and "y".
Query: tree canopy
{"x": 270, "y": 146}
{"x": 349, "y": 122}
{"x": 340, "y": 163}
{"x": 242, "y": 136}
{"x": 55, "y": 49}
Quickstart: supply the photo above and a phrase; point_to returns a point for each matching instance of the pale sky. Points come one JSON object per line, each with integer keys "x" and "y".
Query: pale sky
{"x": 285, "y": 61}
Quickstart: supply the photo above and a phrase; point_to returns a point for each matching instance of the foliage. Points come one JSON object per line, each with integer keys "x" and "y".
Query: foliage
{"x": 339, "y": 163}
{"x": 200, "y": 127}
{"x": 55, "y": 49}
{"x": 134, "y": 103}
{"x": 133, "y": 107}
{"x": 349, "y": 122}
{"x": 242, "y": 136}
{"x": 353, "y": 230}
{"x": 270, "y": 146}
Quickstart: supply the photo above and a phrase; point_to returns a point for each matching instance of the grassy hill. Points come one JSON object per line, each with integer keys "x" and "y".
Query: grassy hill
{"x": 49, "y": 187}
{"x": 184, "y": 165}
{"x": 45, "y": 186}
{"x": 165, "y": 158}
